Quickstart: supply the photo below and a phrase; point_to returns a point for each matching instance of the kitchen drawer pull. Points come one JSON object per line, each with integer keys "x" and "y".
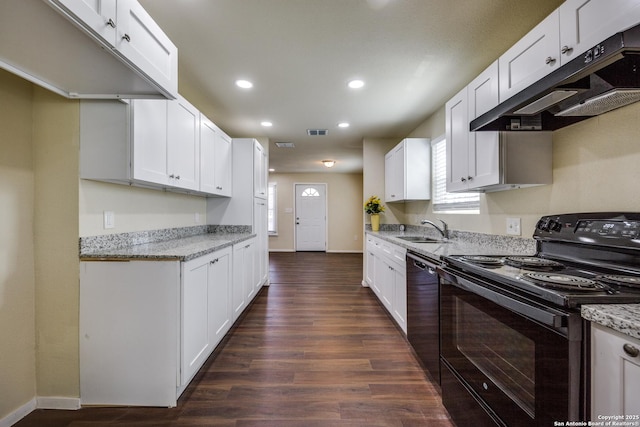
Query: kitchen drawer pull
{"x": 631, "y": 350}
{"x": 549, "y": 60}
{"x": 111, "y": 23}
{"x": 566, "y": 49}
{"x": 127, "y": 38}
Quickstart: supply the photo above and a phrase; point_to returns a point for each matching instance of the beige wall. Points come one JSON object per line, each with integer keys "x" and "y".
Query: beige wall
{"x": 136, "y": 209}
{"x": 56, "y": 150}
{"x": 594, "y": 169}
{"x": 344, "y": 206}
{"x": 17, "y": 260}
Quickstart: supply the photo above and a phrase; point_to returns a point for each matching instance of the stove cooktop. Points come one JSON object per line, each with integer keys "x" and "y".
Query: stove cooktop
{"x": 557, "y": 282}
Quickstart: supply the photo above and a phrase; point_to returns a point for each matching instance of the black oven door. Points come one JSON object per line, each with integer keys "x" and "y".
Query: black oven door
{"x": 518, "y": 360}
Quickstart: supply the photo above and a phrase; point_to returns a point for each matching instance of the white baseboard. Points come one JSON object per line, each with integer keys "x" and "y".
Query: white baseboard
{"x": 18, "y": 414}
{"x": 345, "y": 252}
{"x": 67, "y": 403}
{"x": 281, "y": 250}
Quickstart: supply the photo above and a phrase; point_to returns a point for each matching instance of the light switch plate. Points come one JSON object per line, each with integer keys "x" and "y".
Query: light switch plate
{"x": 109, "y": 219}
{"x": 513, "y": 226}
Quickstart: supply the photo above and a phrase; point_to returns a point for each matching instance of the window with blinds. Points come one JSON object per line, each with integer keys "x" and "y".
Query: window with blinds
{"x": 443, "y": 201}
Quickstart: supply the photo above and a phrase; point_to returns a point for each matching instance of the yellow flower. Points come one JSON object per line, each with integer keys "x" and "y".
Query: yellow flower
{"x": 373, "y": 205}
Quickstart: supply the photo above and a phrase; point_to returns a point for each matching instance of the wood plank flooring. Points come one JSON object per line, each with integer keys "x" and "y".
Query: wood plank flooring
{"x": 314, "y": 350}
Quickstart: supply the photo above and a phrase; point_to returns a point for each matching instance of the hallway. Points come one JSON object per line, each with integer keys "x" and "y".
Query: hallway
{"x": 314, "y": 350}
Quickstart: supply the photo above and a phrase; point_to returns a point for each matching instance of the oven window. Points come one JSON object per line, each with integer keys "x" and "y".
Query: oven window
{"x": 502, "y": 354}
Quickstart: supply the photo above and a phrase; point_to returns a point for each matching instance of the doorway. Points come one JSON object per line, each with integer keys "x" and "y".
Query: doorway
{"x": 311, "y": 217}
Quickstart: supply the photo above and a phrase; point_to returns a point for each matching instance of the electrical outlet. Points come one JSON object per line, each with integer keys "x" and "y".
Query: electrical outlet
{"x": 513, "y": 226}
{"x": 109, "y": 219}
{"x": 196, "y": 218}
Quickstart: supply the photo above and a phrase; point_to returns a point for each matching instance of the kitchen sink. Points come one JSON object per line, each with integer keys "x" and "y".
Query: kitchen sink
{"x": 420, "y": 239}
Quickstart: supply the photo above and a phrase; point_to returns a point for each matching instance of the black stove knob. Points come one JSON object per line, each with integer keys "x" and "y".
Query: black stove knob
{"x": 555, "y": 225}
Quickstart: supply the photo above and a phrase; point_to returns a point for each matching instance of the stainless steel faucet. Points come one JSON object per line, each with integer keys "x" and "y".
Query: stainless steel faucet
{"x": 444, "y": 230}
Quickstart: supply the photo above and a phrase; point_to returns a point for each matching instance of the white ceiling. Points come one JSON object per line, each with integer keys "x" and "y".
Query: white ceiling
{"x": 300, "y": 54}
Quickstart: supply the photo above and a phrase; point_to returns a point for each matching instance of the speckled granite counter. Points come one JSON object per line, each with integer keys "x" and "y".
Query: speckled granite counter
{"x": 460, "y": 243}
{"x": 181, "y": 244}
{"x": 624, "y": 318}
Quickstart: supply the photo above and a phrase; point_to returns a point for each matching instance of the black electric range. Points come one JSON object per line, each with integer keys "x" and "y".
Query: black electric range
{"x": 587, "y": 258}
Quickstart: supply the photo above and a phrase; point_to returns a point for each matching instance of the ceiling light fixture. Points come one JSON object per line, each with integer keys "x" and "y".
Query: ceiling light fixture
{"x": 329, "y": 163}
{"x": 266, "y": 124}
{"x": 356, "y": 84}
{"x": 244, "y": 84}
{"x": 343, "y": 125}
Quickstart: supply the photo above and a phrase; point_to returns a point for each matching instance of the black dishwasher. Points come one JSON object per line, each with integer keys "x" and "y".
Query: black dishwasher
{"x": 423, "y": 313}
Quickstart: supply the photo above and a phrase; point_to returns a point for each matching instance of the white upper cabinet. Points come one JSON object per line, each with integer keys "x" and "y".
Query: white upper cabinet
{"x": 584, "y": 23}
{"x": 215, "y": 159}
{"x": 152, "y": 143}
{"x": 260, "y": 171}
{"x": 97, "y": 16}
{"x": 149, "y": 137}
{"x": 531, "y": 58}
{"x": 483, "y": 157}
{"x": 491, "y": 161}
{"x": 457, "y": 135}
{"x": 408, "y": 171}
{"x": 183, "y": 144}
{"x": 141, "y": 42}
{"x": 88, "y": 48}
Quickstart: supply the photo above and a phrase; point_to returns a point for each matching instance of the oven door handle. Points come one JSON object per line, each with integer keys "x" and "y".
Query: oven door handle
{"x": 540, "y": 314}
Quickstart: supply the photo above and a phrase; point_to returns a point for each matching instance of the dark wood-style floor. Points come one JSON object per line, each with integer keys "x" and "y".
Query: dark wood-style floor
{"x": 314, "y": 350}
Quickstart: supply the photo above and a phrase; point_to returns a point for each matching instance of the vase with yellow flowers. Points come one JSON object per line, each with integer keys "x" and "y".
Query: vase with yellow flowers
{"x": 374, "y": 206}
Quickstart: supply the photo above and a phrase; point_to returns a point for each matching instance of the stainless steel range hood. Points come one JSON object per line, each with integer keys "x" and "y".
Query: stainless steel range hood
{"x": 604, "y": 78}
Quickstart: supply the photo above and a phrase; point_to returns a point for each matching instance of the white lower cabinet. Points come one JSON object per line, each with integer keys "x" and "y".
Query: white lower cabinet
{"x": 147, "y": 327}
{"x": 206, "y": 308}
{"x": 385, "y": 273}
{"x": 615, "y": 374}
{"x": 245, "y": 275}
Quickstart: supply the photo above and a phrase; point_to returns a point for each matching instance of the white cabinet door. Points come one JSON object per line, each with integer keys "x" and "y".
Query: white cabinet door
{"x": 215, "y": 159}
{"x": 394, "y": 174}
{"x": 145, "y": 46}
{"x": 244, "y": 275}
{"x": 531, "y": 58}
{"x": 219, "y": 287}
{"x": 183, "y": 144}
{"x": 457, "y": 135}
{"x": 222, "y": 164}
{"x": 484, "y": 147}
{"x": 615, "y": 373}
{"x": 260, "y": 171}
{"x": 196, "y": 344}
{"x": 400, "y": 295}
{"x": 584, "y": 23}
{"x": 149, "y": 134}
{"x": 97, "y": 16}
{"x": 262, "y": 241}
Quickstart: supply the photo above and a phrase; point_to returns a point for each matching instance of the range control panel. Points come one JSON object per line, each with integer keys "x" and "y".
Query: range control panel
{"x": 591, "y": 228}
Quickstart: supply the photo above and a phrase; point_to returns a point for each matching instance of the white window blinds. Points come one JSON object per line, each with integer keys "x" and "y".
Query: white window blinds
{"x": 443, "y": 201}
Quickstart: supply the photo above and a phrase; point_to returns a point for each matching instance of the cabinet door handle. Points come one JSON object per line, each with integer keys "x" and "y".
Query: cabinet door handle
{"x": 549, "y": 60}
{"x": 214, "y": 261}
{"x": 177, "y": 176}
{"x": 111, "y": 23}
{"x": 470, "y": 178}
{"x": 566, "y": 49}
{"x": 631, "y": 350}
{"x": 463, "y": 179}
{"x": 126, "y": 37}
{"x": 172, "y": 176}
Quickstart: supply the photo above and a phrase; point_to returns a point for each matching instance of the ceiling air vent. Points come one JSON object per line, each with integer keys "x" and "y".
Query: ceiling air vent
{"x": 317, "y": 132}
{"x": 285, "y": 145}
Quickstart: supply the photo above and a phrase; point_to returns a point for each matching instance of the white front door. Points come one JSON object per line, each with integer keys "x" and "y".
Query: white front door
{"x": 311, "y": 217}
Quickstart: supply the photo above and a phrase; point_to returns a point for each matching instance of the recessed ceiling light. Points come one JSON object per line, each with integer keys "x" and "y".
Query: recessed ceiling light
{"x": 244, "y": 84}
{"x": 329, "y": 163}
{"x": 272, "y": 170}
{"x": 356, "y": 84}
{"x": 343, "y": 125}
{"x": 266, "y": 124}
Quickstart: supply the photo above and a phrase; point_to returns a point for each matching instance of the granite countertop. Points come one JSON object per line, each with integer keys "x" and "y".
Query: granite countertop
{"x": 460, "y": 243}
{"x": 174, "y": 244}
{"x": 624, "y": 318}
